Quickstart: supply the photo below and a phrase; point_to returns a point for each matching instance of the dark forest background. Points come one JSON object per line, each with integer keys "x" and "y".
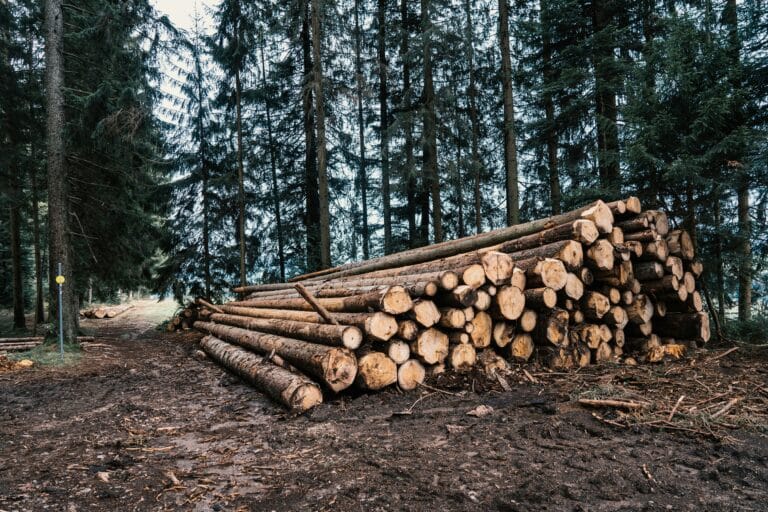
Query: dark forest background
{"x": 283, "y": 137}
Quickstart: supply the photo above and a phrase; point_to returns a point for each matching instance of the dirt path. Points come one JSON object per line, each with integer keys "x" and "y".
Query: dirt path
{"x": 140, "y": 424}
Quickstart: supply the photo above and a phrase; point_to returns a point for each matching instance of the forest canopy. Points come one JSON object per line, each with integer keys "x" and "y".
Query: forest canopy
{"x": 276, "y": 138}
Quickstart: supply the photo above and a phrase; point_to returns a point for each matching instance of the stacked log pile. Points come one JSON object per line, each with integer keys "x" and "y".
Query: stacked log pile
{"x": 101, "y": 312}
{"x": 604, "y": 283}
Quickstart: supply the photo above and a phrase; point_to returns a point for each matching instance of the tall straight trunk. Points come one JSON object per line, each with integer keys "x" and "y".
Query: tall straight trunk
{"x": 362, "y": 173}
{"x": 510, "y": 144}
{"x": 311, "y": 190}
{"x": 273, "y": 172}
{"x": 14, "y": 210}
{"x": 475, "y": 163}
{"x": 58, "y": 200}
{"x": 39, "y": 313}
{"x": 719, "y": 271}
{"x": 240, "y": 175}
{"x": 384, "y": 124}
{"x": 459, "y": 185}
{"x": 39, "y": 309}
{"x": 550, "y": 131}
{"x": 322, "y": 155}
{"x": 740, "y": 173}
{"x": 605, "y": 97}
{"x": 410, "y": 174}
{"x": 429, "y": 137}
{"x": 203, "y": 163}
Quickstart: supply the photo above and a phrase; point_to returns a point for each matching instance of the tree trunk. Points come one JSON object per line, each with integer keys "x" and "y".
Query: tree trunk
{"x": 14, "y": 226}
{"x": 510, "y": 143}
{"x": 476, "y": 164}
{"x": 273, "y": 173}
{"x": 311, "y": 190}
{"x": 605, "y": 97}
{"x": 203, "y": 163}
{"x": 60, "y": 248}
{"x": 745, "y": 250}
{"x": 240, "y": 177}
{"x": 719, "y": 270}
{"x": 429, "y": 143}
{"x": 406, "y": 107}
{"x": 550, "y": 129}
{"x": 291, "y": 389}
{"x": 362, "y": 176}
{"x": 39, "y": 313}
{"x": 322, "y": 153}
{"x": 384, "y": 123}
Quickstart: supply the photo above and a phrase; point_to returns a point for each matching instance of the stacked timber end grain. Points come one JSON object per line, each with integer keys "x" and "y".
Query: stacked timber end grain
{"x": 608, "y": 282}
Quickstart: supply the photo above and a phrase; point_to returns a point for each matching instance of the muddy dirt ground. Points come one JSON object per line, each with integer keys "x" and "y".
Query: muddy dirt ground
{"x": 138, "y": 423}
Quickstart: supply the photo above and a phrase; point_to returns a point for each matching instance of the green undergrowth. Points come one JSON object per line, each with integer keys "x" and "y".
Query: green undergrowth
{"x": 48, "y": 354}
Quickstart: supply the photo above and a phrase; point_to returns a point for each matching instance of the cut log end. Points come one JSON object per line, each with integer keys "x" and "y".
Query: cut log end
{"x": 396, "y": 300}
{"x": 585, "y": 231}
{"x": 462, "y": 357}
{"x": 410, "y": 375}
{"x": 601, "y": 215}
{"x": 376, "y": 371}
{"x": 511, "y": 302}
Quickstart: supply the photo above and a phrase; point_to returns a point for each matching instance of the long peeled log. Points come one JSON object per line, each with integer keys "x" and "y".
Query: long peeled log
{"x": 377, "y": 326}
{"x": 327, "y": 334}
{"x": 597, "y": 212}
{"x": 335, "y": 367}
{"x": 394, "y": 300}
{"x": 295, "y": 391}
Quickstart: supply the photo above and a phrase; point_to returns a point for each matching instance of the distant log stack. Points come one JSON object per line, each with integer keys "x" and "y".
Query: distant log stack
{"x": 604, "y": 283}
{"x": 101, "y": 312}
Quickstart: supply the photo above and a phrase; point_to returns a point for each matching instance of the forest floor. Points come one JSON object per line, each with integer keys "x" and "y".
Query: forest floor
{"x": 138, "y": 423}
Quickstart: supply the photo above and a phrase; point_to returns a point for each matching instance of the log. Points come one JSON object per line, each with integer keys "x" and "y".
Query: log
{"x": 497, "y": 266}
{"x": 425, "y": 312}
{"x": 398, "y": 351}
{"x": 326, "y": 334}
{"x": 635, "y": 248}
{"x": 657, "y": 250}
{"x": 462, "y": 296}
{"x": 665, "y": 284}
{"x": 689, "y": 282}
{"x": 377, "y": 326}
{"x": 410, "y": 375}
{"x": 673, "y": 265}
{"x": 680, "y": 244}
{"x": 588, "y": 334}
{"x": 549, "y": 272}
{"x": 633, "y": 205}
{"x": 118, "y": 310}
{"x": 597, "y": 212}
{"x": 375, "y": 370}
{"x": 527, "y": 321}
{"x": 503, "y": 332}
{"x": 692, "y": 304}
{"x": 689, "y": 326}
{"x": 583, "y": 231}
{"x": 660, "y": 309}
{"x": 639, "y": 223}
{"x": 518, "y": 279}
{"x": 642, "y": 344}
{"x": 616, "y": 317}
{"x": 641, "y": 309}
{"x": 603, "y": 353}
{"x": 407, "y": 330}
{"x": 469, "y": 314}
{"x": 472, "y": 275}
{"x": 521, "y": 347}
{"x": 462, "y": 357}
{"x": 455, "y": 337}
{"x": 293, "y": 390}
{"x": 595, "y": 305}
{"x": 574, "y": 288}
{"x": 600, "y": 256}
{"x": 646, "y": 236}
{"x": 18, "y": 347}
{"x": 618, "y": 337}
{"x": 510, "y": 302}
{"x": 491, "y": 363}
{"x": 648, "y": 270}
{"x": 30, "y": 339}
{"x": 335, "y": 367}
{"x": 586, "y": 276}
{"x": 616, "y": 237}
{"x": 569, "y": 252}
{"x": 483, "y": 302}
{"x": 695, "y": 267}
{"x": 482, "y": 326}
{"x": 540, "y": 298}
{"x": 619, "y": 276}
{"x": 394, "y": 300}
{"x": 552, "y": 327}
{"x": 452, "y": 318}
{"x": 431, "y": 346}
{"x": 618, "y": 208}
{"x": 582, "y": 356}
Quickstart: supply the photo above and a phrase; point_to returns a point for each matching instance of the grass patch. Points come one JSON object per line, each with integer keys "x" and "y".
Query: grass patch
{"x": 48, "y": 354}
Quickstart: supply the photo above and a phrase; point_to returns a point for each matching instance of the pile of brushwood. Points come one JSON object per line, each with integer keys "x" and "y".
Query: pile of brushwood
{"x": 608, "y": 282}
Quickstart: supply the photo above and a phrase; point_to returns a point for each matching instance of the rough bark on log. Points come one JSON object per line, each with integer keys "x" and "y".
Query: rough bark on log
{"x": 569, "y": 252}
{"x": 293, "y": 390}
{"x": 394, "y": 300}
{"x": 326, "y": 334}
{"x": 335, "y": 367}
{"x": 689, "y": 326}
{"x": 540, "y": 298}
{"x": 463, "y": 296}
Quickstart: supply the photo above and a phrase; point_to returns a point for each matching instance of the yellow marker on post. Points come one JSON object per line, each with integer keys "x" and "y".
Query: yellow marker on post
{"x": 60, "y": 280}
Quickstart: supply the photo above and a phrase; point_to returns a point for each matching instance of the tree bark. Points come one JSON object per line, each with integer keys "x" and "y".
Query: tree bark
{"x": 429, "y": 143}
{"x": 510, "y": 143}
{"x": 384, "y": 123}
{"x": 406, "y": 107}
{"x": 240, "y": 173}
{"x": 394, "y": 300}
{"x": 550, "y": 130}
{"x": 362, "y": 176}
{"x": 291, "y": 389}
{"x": 322, "y": 152}
{"x": 476, "y": 165}
{"x": 273, "y": 173}
{"x": 60, "y": 246}
{"x": 14, "y": 209}
{"x": 311, "y": 188}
